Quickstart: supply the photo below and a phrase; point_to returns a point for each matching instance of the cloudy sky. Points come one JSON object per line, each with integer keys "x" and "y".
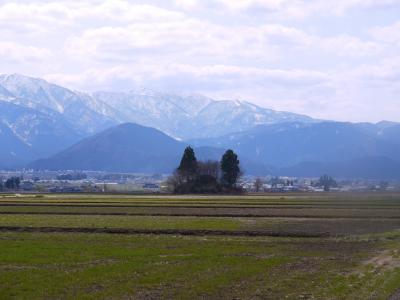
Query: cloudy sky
{"x": 328, "y": 59}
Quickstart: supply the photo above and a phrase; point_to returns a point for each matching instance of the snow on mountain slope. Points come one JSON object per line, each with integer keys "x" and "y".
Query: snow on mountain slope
{"x": 43, "y": 96}
{"x": 192, "y": 116}
{"x": 43, "y": 133}
{"x": 180, "y": 116}
{"x": 13, "y": 151}
{"x": 223, "y": 117}
{"x": 172, "y": 114}
{"x": 5, "y": 94}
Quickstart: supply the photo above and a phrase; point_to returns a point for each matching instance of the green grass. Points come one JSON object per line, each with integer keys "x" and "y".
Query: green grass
{"x": 111, "y": 266}
{"x": 98, "y": 266}
{"x": 269, "y": 211}
{"x": 341, "y": 198}
{"x": 137, "y": 222}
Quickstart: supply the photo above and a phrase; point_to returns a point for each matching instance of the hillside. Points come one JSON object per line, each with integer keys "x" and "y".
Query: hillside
{"x": 378, "y": 168}
{"x": 39, "y": 134}
{"x": 12, "y": 149}
{"x": 292, "y": 143}
{"x": 300, "y": 149}
{"x": 124, "y": 148}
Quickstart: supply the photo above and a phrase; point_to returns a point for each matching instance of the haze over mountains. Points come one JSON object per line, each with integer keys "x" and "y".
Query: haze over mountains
{"x": 40, "y": 120}
{"x": 296, "y": 142}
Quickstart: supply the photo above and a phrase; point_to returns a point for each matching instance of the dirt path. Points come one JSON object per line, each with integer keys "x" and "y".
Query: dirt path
{"x": 216, "y": 215}
{"x": 205, "y": 205}
{"x": 162, "y": 231}
{"x": 395, "y": 296}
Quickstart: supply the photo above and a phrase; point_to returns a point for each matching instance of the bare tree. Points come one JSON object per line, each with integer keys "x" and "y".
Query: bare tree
{"x": 258, "y": 184}
{"x": 209, "y": 168}
{"x": 173, "y": 182}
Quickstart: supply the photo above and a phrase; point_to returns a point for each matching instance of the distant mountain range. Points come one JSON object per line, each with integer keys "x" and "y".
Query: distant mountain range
{"x": 44, "y": 118}
{"x": 308, "y": 149}
{"x": 124, "y": 148}
{"x": 183, "y": 117}
{"x": 79, "y": 110}
{"x": 27, "y": 134}
{"x": 292, "y": 143}
{"x": 339, "y": 149}
{"x": 188, "y": 117}
{"x": 64, "y": 129}
{"x": 378, "y": 168}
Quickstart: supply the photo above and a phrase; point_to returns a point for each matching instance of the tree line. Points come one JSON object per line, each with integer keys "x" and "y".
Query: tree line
{"x": 12, "y": 183}
{"x": 202, "y": 177}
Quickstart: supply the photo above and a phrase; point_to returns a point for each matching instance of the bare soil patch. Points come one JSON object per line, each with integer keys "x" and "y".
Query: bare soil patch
{"x": 386, "y": 260}
{"x": 298, "y": 234}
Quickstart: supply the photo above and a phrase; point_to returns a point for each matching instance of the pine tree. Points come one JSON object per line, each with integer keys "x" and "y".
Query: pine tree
{"x": 258, "y": 184}
{"x": 327, "y": 182}
{"x": 230, "y": 169}
{"x": 188, "y": 166}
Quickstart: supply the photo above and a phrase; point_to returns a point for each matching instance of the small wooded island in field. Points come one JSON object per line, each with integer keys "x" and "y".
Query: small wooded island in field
{"x": 197, "y": 177}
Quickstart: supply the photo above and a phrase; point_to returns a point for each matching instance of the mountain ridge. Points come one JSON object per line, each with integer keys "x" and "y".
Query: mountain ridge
{"x": 181, "y": 116}
{"x": 40, "y": 119}
{"x": 135, "y": 148}
{"x": 283, "y": 145}
{"x": 126, "y": 147}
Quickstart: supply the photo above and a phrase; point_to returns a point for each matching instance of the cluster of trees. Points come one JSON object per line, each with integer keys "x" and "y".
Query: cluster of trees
{"x": 193, "y": 176}
{"x": 72, "y": 176}
{"x": 327, "y": 182}
{"x": 10, "y": 184}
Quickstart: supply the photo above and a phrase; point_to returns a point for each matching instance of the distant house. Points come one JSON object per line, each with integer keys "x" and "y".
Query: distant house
{"x": 151, "y": 186}
{"x": 27, "y": 186}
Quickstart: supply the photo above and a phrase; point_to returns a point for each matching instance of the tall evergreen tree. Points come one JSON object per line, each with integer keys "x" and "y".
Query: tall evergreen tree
{"x": 327, "y": 182}
{"x": 188, "y": 166}
{"x": 230, "y": 169}
{"x": 13, "y": 183}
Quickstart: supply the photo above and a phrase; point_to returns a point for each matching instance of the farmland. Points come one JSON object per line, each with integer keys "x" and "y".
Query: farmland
{"x": 293, "y": 246}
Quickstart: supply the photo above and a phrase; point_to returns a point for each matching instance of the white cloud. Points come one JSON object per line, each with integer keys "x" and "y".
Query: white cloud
{"x": 284, "y": 9}
{"x": 388, "y": 34}
{"x": 16, "y": 53}
{"x": 287, "y": 54}
{"x": 187, "y": 4}
{"x": 303, "y": 8}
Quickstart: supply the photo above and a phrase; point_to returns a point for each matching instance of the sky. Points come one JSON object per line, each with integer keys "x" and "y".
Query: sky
{"x": 336, "y": 60}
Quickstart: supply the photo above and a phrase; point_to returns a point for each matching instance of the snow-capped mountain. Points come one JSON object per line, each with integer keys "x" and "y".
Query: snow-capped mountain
{"x": 186, "y": 117}
{"x": 45, "y": 97}
{"x": 181, "y": 116}
{"x": 5, "y": 94}
{"x": 30, "y": 134}
{"x": 39, "y": 119}
{"x": 46, "y": 117}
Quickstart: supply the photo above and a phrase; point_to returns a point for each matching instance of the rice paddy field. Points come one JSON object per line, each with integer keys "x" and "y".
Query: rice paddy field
{"x": 284, "y": 246}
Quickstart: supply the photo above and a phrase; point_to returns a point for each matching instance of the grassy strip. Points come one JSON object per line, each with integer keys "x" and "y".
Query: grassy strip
{"x": 215, "y": 206}
{"x": 208, "y": 211}
{"x": 139, "y": 222}
{"x": 288, "y": 226}
{"x": 98, "y": 266}
{"x": 215, "y": 215}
